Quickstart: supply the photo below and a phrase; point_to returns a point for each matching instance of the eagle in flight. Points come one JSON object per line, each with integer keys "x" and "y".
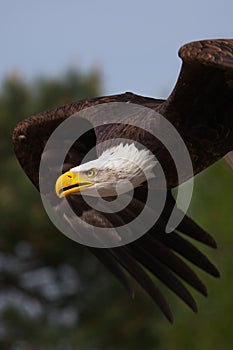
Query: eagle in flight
{"x": 200, "y": 108}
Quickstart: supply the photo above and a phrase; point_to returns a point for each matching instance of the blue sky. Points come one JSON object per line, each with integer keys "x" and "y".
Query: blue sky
{"x": 134, "y": 43}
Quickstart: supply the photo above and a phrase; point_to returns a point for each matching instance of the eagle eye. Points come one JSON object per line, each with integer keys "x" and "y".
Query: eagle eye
{"x": 91, "y": 172}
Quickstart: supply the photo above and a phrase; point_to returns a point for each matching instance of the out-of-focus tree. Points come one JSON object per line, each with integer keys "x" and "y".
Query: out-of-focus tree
{"x": 54, "y": 294}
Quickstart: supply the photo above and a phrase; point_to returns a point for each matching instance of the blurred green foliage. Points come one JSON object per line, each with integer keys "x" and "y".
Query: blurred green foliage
{"x": 55, "y": 295}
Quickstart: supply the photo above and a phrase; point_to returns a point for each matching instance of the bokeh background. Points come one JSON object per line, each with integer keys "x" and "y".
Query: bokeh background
{"x": 53, "y": 294}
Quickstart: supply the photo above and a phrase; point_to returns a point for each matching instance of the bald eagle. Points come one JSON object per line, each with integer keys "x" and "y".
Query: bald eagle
{"x": 200, "y": 108}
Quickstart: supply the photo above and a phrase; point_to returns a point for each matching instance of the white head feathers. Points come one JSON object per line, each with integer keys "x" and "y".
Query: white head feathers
{"x": 123, "y": 157}
{"x": 129, "y": 157}
{"x": 120, "y": 164}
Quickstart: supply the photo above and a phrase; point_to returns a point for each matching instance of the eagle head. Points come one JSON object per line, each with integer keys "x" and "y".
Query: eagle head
{"x": 119, "y": 169}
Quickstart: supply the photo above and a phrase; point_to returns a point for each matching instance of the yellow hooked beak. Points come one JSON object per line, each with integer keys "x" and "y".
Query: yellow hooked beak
{"x": 70, "y": 183}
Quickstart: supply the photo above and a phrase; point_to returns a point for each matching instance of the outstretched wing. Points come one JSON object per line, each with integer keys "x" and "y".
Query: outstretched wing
{"x": 201, "y": 104}
{"x": 31, "y": 135}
